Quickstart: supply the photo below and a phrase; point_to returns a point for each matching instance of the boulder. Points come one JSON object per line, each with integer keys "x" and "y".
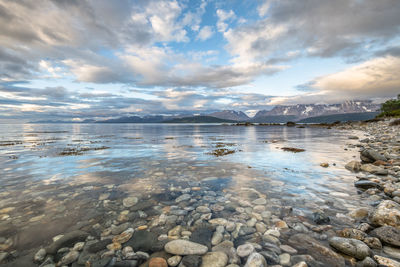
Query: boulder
{"x": 67, "y": 240}
{"x": 370, "y": 155}
{"x": 351, "y": 247}
{"x": 366, "y": 184}
{"x": 374, "y": 169}
{"x": 316, "y": 250}
{"x": 387, "y": 213}
{"x": 387, "y": 234}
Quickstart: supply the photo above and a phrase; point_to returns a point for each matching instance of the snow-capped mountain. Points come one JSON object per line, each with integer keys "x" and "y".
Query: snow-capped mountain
{"x": 301, "y": 111}
{"x": 230, "y": 115}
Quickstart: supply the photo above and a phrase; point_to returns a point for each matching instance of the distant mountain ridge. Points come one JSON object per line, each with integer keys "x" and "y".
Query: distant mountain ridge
{"x": 302, "y": 111}
{"x": 230, "y": 115}
{"x": 278, "y": 114}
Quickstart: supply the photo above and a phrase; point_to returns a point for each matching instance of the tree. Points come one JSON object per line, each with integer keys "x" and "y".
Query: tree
{"x": 391, "y": 108}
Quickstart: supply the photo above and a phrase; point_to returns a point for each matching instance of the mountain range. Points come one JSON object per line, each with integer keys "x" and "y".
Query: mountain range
{"x": 349, "y": 110}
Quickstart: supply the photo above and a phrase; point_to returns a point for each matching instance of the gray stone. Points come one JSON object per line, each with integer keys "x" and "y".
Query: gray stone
{"x": 40, "y": 255}
{"x": 367, "y": 262}
{"x": 191, "y": 261}
{"x": 260, "y": 201}
{"x": 3, "y": 256}
{"x": 284, "y": 259}
{"x": 366, "y": 184}
{"x": 316, "y": 250}
{"x": 183, "y": 197}
{"x": 174, "y": 261}
{"x": 351, "y": 247}
{"x": 214, "y": 259}
{"x": 372, "y": 155}
{"x": 387, "y": 213}
{"x": 374, "y": 169}
{"x": 184, "y": 247}
{"x": 271, "y": 257}
{"x": 353, "y": 166}
{"x": 388, "y": 235}
{"x": 392, "y": 252}
{"x": 69, "y": 258}
{"x": 67, "y": 241}
{"x": 245, "y": 250}
{"x": 130, "y": 201}
{"x": 255, "y": 260}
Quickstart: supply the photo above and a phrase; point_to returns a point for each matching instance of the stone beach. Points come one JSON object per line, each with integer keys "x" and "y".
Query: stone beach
{"x": 204, "y": 223}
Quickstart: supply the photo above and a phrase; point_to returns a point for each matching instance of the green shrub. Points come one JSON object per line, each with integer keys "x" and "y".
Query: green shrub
{"x": 391, "y": 108}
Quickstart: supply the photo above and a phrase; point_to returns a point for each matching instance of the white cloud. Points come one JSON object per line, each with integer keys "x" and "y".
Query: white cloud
{"x": 223, "y": 17}
{"x": 375, "y": 78}
{"x": 205, "y": 33}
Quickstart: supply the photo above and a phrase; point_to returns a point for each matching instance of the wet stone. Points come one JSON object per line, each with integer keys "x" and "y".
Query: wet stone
{"x": 174, "y": 261}
{"x": 271, "y": 257}
{"x": 320, "y": 218}
{"x": 67, "y": 241}
{"x": 388, "y": 235}
{"x": 255, "y": 260}
{"x": 143, "y": 240}
{"x": 184, "y": 247}
{"x": 98, "y": 246}
{"x": 387, "y": 213}
{"x": 214, "y": 259}
{"x": 245, "y": 250}
{"x": 191, "y": 260}
{"x": 202, "y": 235}
{"x": 351, "y": 247}
{"x": 69, "y": 258}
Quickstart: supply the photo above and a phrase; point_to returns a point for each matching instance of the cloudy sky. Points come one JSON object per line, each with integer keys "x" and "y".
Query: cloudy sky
{"x": 80, "y": 59}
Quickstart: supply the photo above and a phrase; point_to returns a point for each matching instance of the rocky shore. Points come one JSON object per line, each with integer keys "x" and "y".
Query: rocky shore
{"x": 201, "y": 224}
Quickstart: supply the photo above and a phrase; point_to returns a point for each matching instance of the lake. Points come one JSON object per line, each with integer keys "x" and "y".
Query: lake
{"x": 59, "y": 177}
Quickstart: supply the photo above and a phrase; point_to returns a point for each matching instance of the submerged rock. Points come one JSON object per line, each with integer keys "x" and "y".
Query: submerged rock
{"x": 214, "y": 259}
{"x": 316, "y": 250}
{"x": 184, "y": 247}
{"x": 255, "y": 260}
{"x": 351, "y": 247}
{"x": 67, "y": 241}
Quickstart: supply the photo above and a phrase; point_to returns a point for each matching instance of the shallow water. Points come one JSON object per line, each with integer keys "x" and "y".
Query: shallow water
{"x": 54, "y": 174}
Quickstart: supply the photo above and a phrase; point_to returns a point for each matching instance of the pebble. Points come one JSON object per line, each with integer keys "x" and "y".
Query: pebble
{"x": 259, "y": 201}
{"x": 158, "y": 262}
{"x": 214, "y": 259}
{"x": 255, "y": 260}
{"x": 130, "y": 201}
{"x": 284, "y": 259}
{"x": 40, "y": 255}
{"x": 245, "y": 250}
{"x": 69, "y": 258}
{"x": 124, "y": 236}
{"x": 174, "y": 261}
{"x": 184, "y": 247}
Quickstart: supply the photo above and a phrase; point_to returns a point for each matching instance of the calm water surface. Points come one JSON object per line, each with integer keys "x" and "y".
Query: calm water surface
{"x": 52, "y": 175}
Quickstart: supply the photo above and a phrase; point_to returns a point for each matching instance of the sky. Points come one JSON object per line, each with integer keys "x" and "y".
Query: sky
{"x": 97, "y": 59}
